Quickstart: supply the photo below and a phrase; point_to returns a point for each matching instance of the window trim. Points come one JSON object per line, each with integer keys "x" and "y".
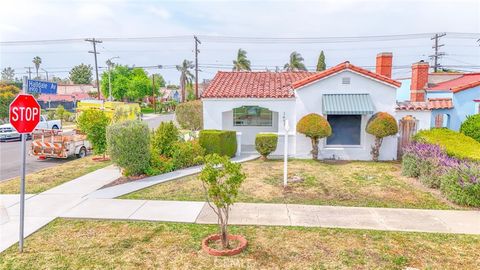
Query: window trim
{"x": 236, "y": 125}
{"x": 343, "y": 146}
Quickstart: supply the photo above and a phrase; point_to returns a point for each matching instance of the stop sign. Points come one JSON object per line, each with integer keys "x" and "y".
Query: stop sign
{"x": 24, "y": 113}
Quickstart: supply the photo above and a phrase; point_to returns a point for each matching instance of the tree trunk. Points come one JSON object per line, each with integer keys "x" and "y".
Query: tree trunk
{"x": 376, "y": 148}
{"x": 314, "y": 148}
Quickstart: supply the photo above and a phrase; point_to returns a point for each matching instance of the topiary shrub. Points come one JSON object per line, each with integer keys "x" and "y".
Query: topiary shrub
{"x": 471, "y": 127}
{"x": 266, "y": 143}
{"x": 462, "y": 184}
{"x": 222, "y": 142}
{"x": 186, "y": 154}
{"x": 380, "y": 125}
{"x": 94, "y": 123}
{"x": 315, "y": 127}
{"x": 129, "y": 146}
{"x": 164, "y": 138}
{"x": 190, "y": 115}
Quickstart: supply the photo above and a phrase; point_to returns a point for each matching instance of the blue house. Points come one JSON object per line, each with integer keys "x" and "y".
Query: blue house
{"x": 439, "y": 99}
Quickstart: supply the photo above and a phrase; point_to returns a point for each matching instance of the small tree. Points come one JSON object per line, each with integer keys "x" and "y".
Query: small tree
{"x": 94, "y": 123}
{"x": 221, "y": 180}
{"x": 266, "y": 143}
{"x": 321, "y": 66}
{"x": 380, "y": 125}
{"x": 315, "y": 127}
{"x": 81, "y": 74}
{"x": 164, "y": 139}
{"x": 60, "y": 113}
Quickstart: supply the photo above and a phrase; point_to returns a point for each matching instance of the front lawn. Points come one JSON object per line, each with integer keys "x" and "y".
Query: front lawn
{"x": 354, "y": 183}
{"x": 82, "y": 244}
{"x": 50, "y": 177}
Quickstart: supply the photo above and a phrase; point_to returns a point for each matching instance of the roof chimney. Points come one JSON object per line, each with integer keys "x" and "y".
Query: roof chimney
{"x": 384, "y": 64}
{"x": 419, "y": 81}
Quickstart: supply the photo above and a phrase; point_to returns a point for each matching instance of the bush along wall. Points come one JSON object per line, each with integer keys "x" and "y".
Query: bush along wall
{"x": 221, "y": 142}
{"x": 458, "y": 179}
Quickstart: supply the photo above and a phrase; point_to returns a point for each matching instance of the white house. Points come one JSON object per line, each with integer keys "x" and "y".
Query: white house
{"x": 346, "y": 95}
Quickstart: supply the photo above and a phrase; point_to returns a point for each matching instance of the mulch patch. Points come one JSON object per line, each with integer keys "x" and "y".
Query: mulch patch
{"x": 123, "y": 180}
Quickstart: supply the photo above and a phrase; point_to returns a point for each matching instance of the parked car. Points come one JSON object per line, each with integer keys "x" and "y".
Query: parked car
{"x": 7, "y": 132}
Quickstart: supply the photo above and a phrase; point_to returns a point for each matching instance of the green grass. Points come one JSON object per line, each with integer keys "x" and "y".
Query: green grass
{"x": 50, "y": 177}
{"x": 82, "y": 244}
{"x": 367, "y": 184}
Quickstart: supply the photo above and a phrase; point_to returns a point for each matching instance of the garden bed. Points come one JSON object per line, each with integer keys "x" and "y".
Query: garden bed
{"x": 82, "y": 244}
{"x": 353, "y": 183}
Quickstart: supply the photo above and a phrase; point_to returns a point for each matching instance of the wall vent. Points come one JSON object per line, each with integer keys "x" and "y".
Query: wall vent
{"x": 346, "y": 80}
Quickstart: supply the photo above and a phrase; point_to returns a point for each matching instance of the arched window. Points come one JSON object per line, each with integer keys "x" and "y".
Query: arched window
{"x": 252, "y": 116}
{"x": 442, "y": 120}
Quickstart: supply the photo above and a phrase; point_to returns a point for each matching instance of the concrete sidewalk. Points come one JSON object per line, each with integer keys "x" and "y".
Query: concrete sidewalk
{"x": 413, "y": 220}
{"x": 119, "y": 190}
{"x": 42, "y": 208}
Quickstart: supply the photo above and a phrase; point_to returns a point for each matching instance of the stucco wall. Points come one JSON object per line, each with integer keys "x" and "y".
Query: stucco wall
{"x": 423, "y": 118}
{"x": 309, "y": 99}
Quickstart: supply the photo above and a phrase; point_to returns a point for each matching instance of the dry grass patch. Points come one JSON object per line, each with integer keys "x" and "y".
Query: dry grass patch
{"x": 76, "y": 244}
{"x": 355, "y": 183}
{"x": 50, "y": 177}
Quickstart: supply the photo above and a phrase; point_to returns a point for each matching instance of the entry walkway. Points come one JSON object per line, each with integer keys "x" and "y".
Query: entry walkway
{"x": 413, "y": 220}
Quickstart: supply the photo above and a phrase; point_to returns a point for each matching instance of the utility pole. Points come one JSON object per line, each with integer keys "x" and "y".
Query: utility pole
{"x": 46, "y": 73}
{"x": 153, "y": 94}
{"x": 197, "y": 41}
{"x": 94, "y": 42}
{"x": 29, "y": 72}
{"x": 436, "y": 56}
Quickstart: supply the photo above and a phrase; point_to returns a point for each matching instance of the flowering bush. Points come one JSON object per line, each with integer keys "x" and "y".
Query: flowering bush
{"x": 458, "y": 179}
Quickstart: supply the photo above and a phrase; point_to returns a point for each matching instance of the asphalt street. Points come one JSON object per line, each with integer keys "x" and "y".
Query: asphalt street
{"x": 10, "y": 154}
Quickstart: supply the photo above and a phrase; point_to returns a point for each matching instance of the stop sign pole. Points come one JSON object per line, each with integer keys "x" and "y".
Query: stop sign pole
{"x": 24, "y": 115}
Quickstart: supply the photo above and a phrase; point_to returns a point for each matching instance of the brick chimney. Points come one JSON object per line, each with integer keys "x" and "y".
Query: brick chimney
{"x": 419, "y": 81}
{"x": 384, "y": 64}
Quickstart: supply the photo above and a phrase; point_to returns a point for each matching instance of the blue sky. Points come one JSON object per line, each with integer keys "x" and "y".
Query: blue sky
{"x": 39, "y": 20}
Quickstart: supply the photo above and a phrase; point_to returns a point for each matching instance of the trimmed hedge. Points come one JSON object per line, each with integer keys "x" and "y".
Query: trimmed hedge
{"x": 471, "y": 127}
{"x": 190, "y": 115}
{"x": 221, "y": 142}
{"x": 128, "y": 145}
{"x": 266, "y": 143}
{"x": 454, "y": 143}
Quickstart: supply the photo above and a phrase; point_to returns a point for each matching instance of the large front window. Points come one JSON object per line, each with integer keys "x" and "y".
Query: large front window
{"x": 252, "y": 116}
{"x": 346, "y": 129}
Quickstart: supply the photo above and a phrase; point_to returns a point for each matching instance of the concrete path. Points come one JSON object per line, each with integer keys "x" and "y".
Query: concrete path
{"x": 413, "y": 220}
{"x": 119, "y": 190}
{"x": 42, "y": 208}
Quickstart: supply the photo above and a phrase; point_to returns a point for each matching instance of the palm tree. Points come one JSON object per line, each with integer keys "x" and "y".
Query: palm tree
{"x": 37, "y": 61}
{"x": 295, "y": 63}
{"x": 186, "y": 76}
{"x": 242, "y": 63}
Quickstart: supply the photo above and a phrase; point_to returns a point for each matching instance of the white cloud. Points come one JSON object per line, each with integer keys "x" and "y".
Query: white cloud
{"x": 160, "y": 12}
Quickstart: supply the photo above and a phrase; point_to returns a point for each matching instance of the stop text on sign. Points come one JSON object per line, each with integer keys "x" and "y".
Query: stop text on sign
{"x": 25, "y": 113}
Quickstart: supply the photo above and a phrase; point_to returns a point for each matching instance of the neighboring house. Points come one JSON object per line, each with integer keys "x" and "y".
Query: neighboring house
{"x": 440, "y": 99}
{"x": 68, "y": 101}
{"x": 346, "y": 95}
{"x": 75, "y": 88}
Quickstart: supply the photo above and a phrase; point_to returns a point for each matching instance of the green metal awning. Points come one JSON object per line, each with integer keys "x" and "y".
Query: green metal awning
{"x": 347, "y": 104}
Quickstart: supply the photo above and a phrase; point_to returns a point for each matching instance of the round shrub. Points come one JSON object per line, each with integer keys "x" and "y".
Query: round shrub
{"x": 471, "y": 127}
{"x": 315, "y": 127}
{"x": 187, "y": 154}
{"x": 462, "y": 185}
{"x": 190, "y": 115}
{"x": 380, "y": 125}
{"x": 266, "y": 143}
{"x": 129, "y": 146}
{"x": 164, "y": 138}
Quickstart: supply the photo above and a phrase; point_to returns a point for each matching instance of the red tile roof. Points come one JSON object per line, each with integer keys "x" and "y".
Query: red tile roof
{"x": 275, "y": 84}
{"x": 467, "y": 81}
{"x": 343, "y": 66}
{"x": 431, "y": 104}
{"x": 253, "y": 84}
